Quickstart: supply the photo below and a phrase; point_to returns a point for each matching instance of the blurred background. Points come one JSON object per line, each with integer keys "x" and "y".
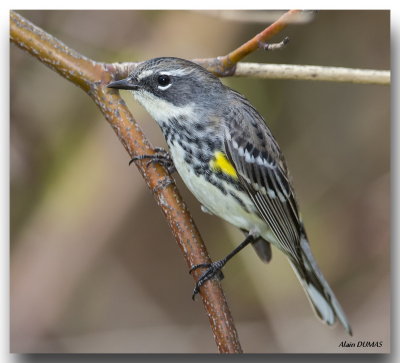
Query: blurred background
{"x": 94, "y": 267}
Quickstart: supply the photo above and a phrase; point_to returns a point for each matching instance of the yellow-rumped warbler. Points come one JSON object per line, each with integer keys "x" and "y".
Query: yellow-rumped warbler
{"x": 228, "y": 158}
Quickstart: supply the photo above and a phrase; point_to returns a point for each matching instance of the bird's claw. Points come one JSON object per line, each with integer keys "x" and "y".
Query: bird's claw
{"x": 213, "y": 270}
{"x": 160, "y": 156}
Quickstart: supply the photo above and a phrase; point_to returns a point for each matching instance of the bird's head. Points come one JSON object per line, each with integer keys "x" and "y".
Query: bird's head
{"x": 170, "y": 87}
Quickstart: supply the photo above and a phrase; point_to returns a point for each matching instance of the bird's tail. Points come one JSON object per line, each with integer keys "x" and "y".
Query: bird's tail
{"x": 319, "y": 293}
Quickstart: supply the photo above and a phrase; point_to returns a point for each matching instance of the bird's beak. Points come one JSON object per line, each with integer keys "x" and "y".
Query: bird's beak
{"x": 126, "y": 83}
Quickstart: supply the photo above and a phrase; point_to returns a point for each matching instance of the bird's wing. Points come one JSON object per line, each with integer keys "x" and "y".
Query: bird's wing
{"x": 253, "y": 151}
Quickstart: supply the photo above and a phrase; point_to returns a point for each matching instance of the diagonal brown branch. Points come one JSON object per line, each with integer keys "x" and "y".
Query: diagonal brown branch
{"x": 92, "y": 77}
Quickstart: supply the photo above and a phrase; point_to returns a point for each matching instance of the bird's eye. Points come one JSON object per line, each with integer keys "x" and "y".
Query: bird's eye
{"x": 163, "y": 80}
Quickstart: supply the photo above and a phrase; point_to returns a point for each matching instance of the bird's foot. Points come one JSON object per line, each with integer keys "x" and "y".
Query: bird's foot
{"x": 213, "y": 270}
{"x": 160, "y": 156}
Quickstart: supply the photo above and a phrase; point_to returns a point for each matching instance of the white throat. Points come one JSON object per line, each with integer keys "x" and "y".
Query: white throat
{"x": 160, "y": 109}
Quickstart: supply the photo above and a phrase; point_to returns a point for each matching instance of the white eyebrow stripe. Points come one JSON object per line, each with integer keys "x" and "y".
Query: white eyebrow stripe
{"x": 177, "y": 72}
{"x": 145, "y": 74}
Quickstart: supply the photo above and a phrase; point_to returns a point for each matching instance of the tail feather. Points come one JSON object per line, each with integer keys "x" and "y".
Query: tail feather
{"x": 319, "y": 293}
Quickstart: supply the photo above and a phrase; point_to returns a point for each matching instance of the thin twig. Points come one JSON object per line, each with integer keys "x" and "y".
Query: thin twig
{"x": 225, "y": 65}
{"x": 283, "y": 71}
{"x": 274, "y": 46}
{"x": 93, "y": 77}
{"x": 312, "y": 73}
{"x": 291, "y": 71}
{"x": 253, "y": 44}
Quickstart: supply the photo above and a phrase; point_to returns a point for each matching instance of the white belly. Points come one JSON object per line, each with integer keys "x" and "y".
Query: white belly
{"x": 216, "y": 201}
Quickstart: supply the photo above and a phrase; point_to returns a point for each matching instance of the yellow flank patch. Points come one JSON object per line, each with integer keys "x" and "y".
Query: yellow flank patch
{"x": 220, "y": 163}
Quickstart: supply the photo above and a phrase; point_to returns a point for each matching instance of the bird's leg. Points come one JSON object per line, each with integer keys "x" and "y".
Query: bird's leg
{"x": 160, "y": 156}
{"x": 214, "y": 268}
